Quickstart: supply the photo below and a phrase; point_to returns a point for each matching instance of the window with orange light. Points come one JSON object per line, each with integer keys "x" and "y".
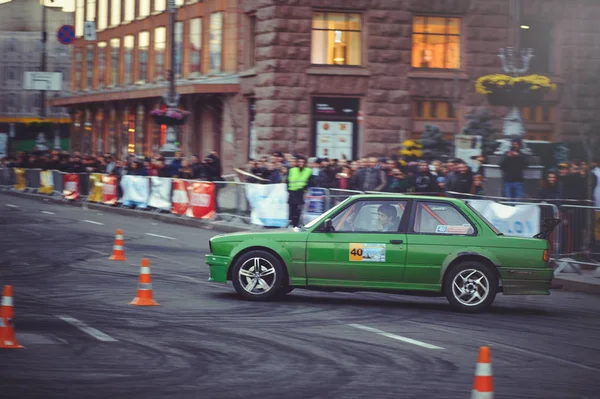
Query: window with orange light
{"x": 436, "y": 42}
{"x": 433, "y": 109}
{"x": 336, "y": 39}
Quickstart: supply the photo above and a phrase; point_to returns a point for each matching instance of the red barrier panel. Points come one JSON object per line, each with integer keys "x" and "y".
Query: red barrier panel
{"x": 181, "y": 199}
{"x": 71, "y": 186}
{"x": 202, "y": 200}
{"x": 110, "y": 194}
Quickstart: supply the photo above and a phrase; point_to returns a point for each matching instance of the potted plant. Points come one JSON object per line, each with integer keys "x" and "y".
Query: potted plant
{"x": 523, "y": 91}
{"x": 169, "y": 117}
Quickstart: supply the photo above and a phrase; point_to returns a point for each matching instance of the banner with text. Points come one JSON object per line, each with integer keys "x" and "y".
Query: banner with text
{"x": 268, "y": 204}
{"x": 110, "y": 194}
{"x": 136, "y": 190}
{"x": 202, "y": 200}
{"x": 160, "y": 193}
{"x": 517, "y": 220}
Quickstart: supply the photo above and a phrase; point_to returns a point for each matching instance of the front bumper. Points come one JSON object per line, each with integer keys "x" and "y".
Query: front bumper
{"x": 517, "y": 281}
{"x": 218, "y": 266}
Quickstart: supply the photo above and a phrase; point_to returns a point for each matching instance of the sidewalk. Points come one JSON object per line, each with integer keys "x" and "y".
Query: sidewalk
{"x": 585, "y": 282}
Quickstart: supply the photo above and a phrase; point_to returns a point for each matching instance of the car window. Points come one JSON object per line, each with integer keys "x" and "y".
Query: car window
{"x": 370, "y": 216}
{"x": 440, "y": 218}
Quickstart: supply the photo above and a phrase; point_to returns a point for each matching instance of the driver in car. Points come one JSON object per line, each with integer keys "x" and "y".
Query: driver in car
{"x": 387, "y": 217}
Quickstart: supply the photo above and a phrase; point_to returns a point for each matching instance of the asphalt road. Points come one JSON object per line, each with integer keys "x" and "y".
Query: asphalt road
{"x": 204, "y": 342}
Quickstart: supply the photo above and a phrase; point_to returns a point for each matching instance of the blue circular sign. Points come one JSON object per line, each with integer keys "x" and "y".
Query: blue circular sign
{"x": 66, "y": 34}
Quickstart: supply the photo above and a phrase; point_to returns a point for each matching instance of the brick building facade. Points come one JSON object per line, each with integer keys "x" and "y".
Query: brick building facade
{"x": 300, "y": 76}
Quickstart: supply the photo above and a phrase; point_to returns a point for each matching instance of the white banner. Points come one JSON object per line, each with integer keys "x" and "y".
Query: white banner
{"x": 160, "y": 193}
{"x": 268, "y": 204}
{"x": 517, "y": 220}
{"x": 135, "y": 190}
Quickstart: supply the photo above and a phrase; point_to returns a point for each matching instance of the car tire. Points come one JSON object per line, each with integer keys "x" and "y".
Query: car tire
{"x": 262, "y": 283}
{"x": 473, "y": 282}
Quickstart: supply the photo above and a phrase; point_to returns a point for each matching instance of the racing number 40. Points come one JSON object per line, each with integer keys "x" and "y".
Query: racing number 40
{"x": 356, "y": 252}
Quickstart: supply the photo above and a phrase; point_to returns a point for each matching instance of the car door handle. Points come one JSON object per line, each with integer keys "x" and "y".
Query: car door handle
{"x": 396, "y": 241}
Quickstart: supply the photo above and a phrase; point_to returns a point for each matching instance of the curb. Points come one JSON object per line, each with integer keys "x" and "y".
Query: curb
{"x": 578, "y": 283}
{"x": 222, "y": 227}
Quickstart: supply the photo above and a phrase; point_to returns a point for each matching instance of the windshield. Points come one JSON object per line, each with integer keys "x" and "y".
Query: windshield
{"x": 487, "y": 222}
{"x": 322, "y": 216}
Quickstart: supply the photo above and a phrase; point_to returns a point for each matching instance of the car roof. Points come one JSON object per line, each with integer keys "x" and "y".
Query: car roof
{"x": 406, "y": 196}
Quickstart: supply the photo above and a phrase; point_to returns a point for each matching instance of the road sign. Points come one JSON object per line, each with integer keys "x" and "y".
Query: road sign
{"x": 66, "y": 34}
{"x": 89, "y": 30}
{"x": 43, "y": 81}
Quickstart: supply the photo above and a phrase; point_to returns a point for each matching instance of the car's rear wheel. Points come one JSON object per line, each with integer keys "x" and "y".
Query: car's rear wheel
{"x": 258, "y": 275}
{"x": 471, "y": 287}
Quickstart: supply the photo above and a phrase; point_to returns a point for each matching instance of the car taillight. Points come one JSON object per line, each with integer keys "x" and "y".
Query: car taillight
{"x": 546, "y": 256}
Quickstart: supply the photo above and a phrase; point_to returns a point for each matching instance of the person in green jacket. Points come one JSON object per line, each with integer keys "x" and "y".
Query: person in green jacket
{"x": 298, "y": 181}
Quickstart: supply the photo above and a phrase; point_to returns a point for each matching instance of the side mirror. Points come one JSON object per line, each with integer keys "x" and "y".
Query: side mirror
{"x": 328, "y": 226}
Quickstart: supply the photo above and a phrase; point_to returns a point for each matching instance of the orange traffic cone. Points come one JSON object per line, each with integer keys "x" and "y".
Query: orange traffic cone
{"x": 144, "y": 295}
{"x": 483, "y": 385}
{"x": 118, "y": 251}
{"x": 7, "y": 330}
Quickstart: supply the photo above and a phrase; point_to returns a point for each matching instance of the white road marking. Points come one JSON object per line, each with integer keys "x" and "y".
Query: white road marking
{"x": 11, "y": 206}
{"x": 92, "y": 222}
{"x": 96, "y": 251}
{"x": 159, "y": 236}
{"x": 49, "y": 213}
{"x": 99, "y": 335}
{"x": 195, "y": 280}
{"x": 396, "y": 337}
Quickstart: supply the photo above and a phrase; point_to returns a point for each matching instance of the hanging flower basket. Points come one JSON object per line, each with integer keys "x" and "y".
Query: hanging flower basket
{"x": 169, "y": 117}
{"x": 509, "y": 91}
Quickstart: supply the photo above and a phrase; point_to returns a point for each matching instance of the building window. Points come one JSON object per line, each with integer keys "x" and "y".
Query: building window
{"x": 196, "y": 46}
{"x": 12, "y": 101}
{"x": 143, "y": 45}
{"x": 216, "y": 41}
{"x": 79, "y": 17}
{"x": 178, "y": 47}
{"x": 101, "y": 64}
{"x": 144, "y": 8}
{"x": 128, "y": 43}
{"x": 251, "y": 41}
{"x": 336, "y": 39}
{"x": 539, "y": 36}
{"x": 160, "y": 42}
{"x": 428, "y": 109}
{"x": 436, "y": 42}
{"x": 115, "y": 12}
{"x": 541, "y": 114}
{"x": 129, "y": 11}
{"x": 102, "y": 14}
{"x": 78, "y": 60}
{"x": 89, "y": 72}
{"x": 179, "y": 3}
{"x": 90, "y": 10}
{"x": 11, "y": 45}
{"x": 160, "y": 5}
{"x": 11, "y": 73}
{"x": 115, "y": 53}
{"x": 335, "y": 127}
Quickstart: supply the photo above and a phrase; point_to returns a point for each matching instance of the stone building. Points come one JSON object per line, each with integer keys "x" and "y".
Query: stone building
{"x": 342, "y": 77}
{"x": 21, "y": 49}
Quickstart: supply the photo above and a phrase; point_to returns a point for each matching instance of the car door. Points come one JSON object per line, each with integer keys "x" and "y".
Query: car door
{"x": 436, "y": 229}
{"x": 358, "y": 253}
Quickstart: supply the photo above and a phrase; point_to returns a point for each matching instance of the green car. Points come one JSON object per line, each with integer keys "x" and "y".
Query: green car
{"x": 404, "y": 244}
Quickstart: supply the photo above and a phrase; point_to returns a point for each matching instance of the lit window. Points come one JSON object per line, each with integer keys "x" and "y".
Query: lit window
{"x": 178, "y": 47}
{"x": 101, "y": 63}
{"x": 216, "y": 41}
{"x": 427, "y": 109}
{"x": 160, "y": 5}
{"x": 129, "y": 11}
{"x": 90, "y": 10}
{"x": 143, "y": 44}
{"x": 79, "y": 17}
{"x": 128, "y": 43}
{"x": 436, "y": 42}
{"x": 102, "y": 14}
{"x": 115, "y": 52}
{"x": 196, "y": 46}
{"x": 144, "y": 8}
{"x": 115, "y": 12}
{"x": 89, "y": 58}
{"x": 160, "y": 42}
{"x": 336, "y": 39}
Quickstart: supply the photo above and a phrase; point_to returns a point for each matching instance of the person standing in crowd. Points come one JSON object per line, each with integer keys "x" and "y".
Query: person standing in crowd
{"x": 298, "y": 181}
{"x": 513, "y": 166}
{"x": 552, "y": 189}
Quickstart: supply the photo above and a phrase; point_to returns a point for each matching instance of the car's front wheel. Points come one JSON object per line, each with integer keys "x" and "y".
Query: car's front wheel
{"x": 259, "y": 276}
{"x": 471, "y": 287}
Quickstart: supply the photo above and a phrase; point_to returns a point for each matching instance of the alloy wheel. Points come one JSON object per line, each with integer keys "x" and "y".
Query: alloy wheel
{"x": 257, "y": 276}
{"x": 470, "y": 287}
